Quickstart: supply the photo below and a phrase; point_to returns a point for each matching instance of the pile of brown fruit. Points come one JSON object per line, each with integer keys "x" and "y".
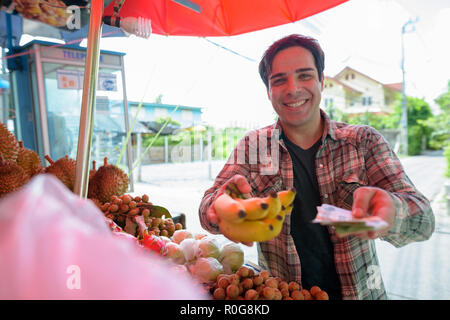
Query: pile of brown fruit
{"x": 119, "y": 208}
{"x": 245, "y": 284}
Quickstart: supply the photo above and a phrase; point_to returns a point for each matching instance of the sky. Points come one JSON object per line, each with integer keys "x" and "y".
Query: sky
{"x": 365, "y": 35}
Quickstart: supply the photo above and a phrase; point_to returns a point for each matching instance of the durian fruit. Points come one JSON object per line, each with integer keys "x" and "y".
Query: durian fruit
{"x": 9, "y": 146}
{"x": 64, "y": 169}
{"x": 92, "y": 189}
{"x": 12, "y": 176}
{"x": 108, "y": 181}
{"x": 29, "y": 161}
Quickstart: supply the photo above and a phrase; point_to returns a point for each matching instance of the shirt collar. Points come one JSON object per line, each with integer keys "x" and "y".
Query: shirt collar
{"x": 329, "y": 127}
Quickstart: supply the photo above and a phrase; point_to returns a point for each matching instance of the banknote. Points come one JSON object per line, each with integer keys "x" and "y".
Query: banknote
{"x": 344, "y": 222}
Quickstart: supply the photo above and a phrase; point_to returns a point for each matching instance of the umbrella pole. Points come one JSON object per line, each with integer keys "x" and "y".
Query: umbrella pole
{"x": 88, "y": 99}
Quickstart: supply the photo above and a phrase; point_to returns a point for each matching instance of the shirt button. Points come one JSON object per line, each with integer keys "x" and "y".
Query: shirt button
{"x": 320, "y": 165}
{"x": 325, "y": 196}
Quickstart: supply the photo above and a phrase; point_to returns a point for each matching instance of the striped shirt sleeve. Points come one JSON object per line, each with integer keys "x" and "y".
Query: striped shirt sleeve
{"x": 414, "y": 220}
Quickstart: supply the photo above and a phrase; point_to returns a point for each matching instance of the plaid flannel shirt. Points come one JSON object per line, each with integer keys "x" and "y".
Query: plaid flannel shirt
{"x": 350, "y": 156}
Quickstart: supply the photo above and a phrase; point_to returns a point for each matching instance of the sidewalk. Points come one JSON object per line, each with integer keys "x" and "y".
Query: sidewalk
{"x": 419, "y": 270}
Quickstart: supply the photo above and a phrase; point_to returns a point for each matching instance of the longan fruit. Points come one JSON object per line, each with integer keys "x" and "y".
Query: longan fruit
{"x": 178, "y": 226}
{"x": 241, "y": 289}
{"x": 243, "y": 272}
{"x": 145, "y": 198}
{"x": 134, "y": 211}
{"x": 277, "y": 294}
{"x": 258, "y": 280}
{"x": 251, "y": 294}
{"x": 285, "y": 292}
{"x": 171, "y": 228}
{"x": 297, "y": 295}
{"x": 293, "y": 286}
{"x": 105, "y": 206}
{"x": 287, "y": 298}
{"x": 232, "y": 291}
{"x": 306, "y": 294}
{"x": 264, "y": 274}
{"x": 113, "y": 208}
{"x": 234, "y": 279}
{"x": 137, "y": 199}
{"x": 314, "y": 290}
{"x": 146, "y": 213}
{"x": 247, "y": 283}
{"x": 132, "y": 204}
{"x": 271, "y": 282}
{"x": 222, "y": 275}
{"x": 219, "y": 294}
{"x": 283, "y": 285}
{"x": 260, "y": 288}
{"x": 322, "y": 295}
{"x": 116, "y": 200}
{"x": 124, "y": 207}
{"x": 223, "y": 282}
{"x": 268, "y": 293}
{"x": 164, "y": 233}
{"x": 125, "y": 199}
{"x": 251, "y": 273}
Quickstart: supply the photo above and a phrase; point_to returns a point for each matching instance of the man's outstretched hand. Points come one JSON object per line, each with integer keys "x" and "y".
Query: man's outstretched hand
{"x": 372, "y": 201}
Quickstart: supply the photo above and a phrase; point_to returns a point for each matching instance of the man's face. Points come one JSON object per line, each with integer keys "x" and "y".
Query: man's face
{"x": 294, "y": 87}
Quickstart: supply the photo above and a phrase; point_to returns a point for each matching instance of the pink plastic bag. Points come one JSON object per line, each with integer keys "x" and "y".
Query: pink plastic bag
{"x": 55, "y": 245}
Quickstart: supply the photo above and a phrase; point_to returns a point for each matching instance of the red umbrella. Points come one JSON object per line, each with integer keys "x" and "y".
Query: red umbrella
{"x": 205, "y": 18}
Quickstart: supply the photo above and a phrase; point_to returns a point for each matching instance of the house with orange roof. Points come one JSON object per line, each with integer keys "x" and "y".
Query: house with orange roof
{"x": 354, "y": 92}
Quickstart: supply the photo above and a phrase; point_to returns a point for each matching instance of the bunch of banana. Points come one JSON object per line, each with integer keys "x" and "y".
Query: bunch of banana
{"x": 253, "y": 219}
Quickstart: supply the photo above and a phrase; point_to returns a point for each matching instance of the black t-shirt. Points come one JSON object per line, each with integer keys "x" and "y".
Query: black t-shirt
{"x": 312, "y": 240}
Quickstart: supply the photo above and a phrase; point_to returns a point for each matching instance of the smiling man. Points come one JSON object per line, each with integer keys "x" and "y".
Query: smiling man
{"x": 349, "y": 166}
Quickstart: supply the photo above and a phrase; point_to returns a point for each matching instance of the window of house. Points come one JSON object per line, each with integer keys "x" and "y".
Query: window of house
{"x": 353, "y": 76}
{"x": 364, "y": 101}
{"x": 369, "y": 101}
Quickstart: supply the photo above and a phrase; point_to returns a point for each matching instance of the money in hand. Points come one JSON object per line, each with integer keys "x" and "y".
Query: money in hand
{"x": 344, "y": 222}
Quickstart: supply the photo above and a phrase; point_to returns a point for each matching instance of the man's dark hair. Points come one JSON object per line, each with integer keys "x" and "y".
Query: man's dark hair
{"x": 311, "y": 44}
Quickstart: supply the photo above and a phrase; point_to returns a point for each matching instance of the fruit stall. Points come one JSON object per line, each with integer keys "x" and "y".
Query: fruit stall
{"x": 220, "y": 268}
{"x": 76, "y": 199}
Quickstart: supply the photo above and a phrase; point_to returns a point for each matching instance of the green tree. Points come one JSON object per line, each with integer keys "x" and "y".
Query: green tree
{"x": 418, "y": 109}
{"x": 439, "y": 125}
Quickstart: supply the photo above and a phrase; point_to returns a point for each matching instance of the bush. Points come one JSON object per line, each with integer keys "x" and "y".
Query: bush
{"x": 447, "y": 156}
{"x": 415, "y": 134}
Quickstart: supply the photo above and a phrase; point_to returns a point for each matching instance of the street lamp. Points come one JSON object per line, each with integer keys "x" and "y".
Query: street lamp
{"x": 404, "y": 121}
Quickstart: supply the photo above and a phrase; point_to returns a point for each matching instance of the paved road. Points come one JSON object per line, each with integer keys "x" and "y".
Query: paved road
{"x": 421, "y": 270}
{"x": 416, "y": 271}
